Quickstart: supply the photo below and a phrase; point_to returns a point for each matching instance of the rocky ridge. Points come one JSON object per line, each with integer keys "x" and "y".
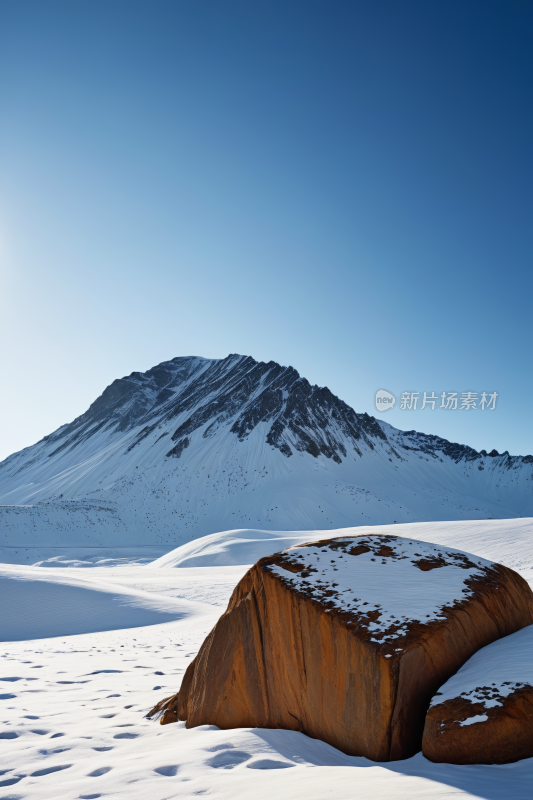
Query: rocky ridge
{"x": 196, "y": 445}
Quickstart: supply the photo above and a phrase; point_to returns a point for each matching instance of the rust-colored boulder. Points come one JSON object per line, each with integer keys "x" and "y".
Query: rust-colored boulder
{"x": 347, "y": 640}
{"x": 484, "y": 713}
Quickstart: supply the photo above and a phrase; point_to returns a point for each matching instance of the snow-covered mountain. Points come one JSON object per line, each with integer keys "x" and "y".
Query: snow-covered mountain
{"x": 197, "y": 445}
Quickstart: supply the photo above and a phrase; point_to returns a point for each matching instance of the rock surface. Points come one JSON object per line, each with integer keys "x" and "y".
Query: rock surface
{"x": 484, "y": 713}
{"x": 347, "y": 640}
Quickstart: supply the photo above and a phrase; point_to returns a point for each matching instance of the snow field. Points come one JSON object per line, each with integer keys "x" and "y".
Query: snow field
{"x": 72, "y": 708}
{"x": 73, "y": 726}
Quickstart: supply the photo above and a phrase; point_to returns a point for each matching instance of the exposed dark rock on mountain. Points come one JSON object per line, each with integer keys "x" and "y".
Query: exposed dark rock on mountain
{"x": 248, "y": 393}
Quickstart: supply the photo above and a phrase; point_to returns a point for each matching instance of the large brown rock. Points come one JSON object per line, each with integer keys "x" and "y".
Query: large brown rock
{"x": 484, "y": 713}
{"x": 347, "y": 640}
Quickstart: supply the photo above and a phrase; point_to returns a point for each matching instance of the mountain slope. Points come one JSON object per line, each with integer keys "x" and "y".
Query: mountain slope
{"x": 200, "y": 445}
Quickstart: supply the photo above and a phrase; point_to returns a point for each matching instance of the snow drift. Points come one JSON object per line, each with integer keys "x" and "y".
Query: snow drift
{"x": 38, "y": 604}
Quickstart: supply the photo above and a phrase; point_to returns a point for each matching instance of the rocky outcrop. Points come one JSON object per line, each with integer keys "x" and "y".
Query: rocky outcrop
{"x": 347, "y": 640}
{"x": 484, "y": 713}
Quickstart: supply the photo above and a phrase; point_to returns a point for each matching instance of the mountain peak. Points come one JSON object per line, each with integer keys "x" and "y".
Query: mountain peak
{"x": 196, "y": 445}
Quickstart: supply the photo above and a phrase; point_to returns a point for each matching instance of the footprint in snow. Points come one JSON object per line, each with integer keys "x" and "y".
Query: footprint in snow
{"x": 269, "y": 763}
{"x": 167, "y": 771}
{"x": 228, "y": 759}
{"x": 8, "y": 735}
{"x": 101, "y": 671}
{"x": 12, "y": 781}
{"x": 97, "y": 772}
{"x": 40, "y": 772}
{"x": 220, "y": 747}
{"x": 125, "y": 735}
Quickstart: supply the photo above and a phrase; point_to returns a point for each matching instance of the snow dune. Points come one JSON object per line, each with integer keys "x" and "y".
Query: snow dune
{"x": 39, "y": 604}
{"x": 507, "y": 541}
{"x": 243, "y": 546}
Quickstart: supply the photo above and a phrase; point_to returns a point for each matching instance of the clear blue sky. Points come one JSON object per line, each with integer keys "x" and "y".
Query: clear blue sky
{"x": 345, "y": 187}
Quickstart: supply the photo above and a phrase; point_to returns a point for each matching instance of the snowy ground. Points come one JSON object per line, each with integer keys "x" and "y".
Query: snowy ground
{"x": 72, "y": 707}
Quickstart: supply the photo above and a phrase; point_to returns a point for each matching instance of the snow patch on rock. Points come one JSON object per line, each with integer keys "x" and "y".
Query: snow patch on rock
{"x": 392, "y": 581}
{"x": 493, "y": 673}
